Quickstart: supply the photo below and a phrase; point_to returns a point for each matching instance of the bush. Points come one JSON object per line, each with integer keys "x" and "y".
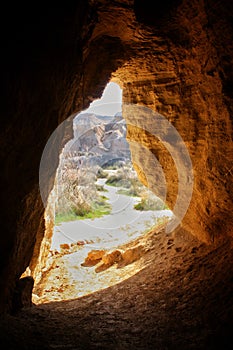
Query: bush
{"x": 82, "y": 210}
{"x": 118, "y": 181}
{"x": 132, "y": 191}
{"x": 101, "y": 174}
{"x": 78, "y": 196}
{"x": 150, "y": 204}
{"x": 96, "y": 210}
{"x": 100, "y": 188}
{"x": 126, "y": 177}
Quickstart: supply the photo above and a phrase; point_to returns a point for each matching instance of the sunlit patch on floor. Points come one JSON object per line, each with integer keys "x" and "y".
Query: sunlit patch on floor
{"x": 71, "y": 276}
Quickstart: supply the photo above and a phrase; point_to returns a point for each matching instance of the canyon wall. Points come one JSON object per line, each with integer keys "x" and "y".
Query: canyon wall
{"x": 175, "y": 60}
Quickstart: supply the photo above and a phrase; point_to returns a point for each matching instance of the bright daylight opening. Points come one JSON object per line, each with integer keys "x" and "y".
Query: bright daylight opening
{"x": 101, "y": 206}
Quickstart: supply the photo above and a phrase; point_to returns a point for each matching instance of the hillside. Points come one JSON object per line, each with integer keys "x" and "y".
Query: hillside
{"x": 98, "y": 139}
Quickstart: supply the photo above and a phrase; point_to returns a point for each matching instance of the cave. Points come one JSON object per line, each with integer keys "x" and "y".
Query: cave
{"x": 172, "y": 59}
{"x": 98, "y": 206}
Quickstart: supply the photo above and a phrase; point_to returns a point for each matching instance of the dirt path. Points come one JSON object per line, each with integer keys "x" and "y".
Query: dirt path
{"x": 180, "y": 298}
{"x": 124, "y": 223}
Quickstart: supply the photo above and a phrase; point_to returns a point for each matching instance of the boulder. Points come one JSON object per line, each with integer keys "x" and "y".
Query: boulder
{"x": 93, "y": 257}
{"x": 108, "y": 260}
{"x": 131, "y": 255}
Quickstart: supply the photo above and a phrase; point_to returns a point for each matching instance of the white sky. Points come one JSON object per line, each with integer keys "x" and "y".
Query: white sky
{"x": 110, "y": 103}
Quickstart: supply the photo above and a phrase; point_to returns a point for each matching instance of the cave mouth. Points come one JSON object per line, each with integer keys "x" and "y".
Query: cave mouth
{"x": 100, "y": 207}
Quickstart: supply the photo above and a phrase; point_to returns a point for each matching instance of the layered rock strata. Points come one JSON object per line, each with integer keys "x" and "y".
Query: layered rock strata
{"x": 175, "y": 60}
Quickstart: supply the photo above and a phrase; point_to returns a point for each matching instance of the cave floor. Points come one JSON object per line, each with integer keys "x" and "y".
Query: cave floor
{"x": 181, "y": 297}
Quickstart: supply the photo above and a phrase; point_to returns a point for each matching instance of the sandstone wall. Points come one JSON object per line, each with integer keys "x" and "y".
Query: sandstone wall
{"x": 176, "y": 60}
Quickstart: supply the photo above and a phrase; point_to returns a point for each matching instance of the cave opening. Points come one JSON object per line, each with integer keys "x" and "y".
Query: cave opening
{"x": 99, "y": 207}
{"x": 177, "y": 62}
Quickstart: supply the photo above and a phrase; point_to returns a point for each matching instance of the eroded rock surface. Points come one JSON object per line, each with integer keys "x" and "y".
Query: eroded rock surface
{"x": 93, "y": 257}
{"x": 179, "y": 295}
{"x": 23, "y": 293}
{"x": 176, "y": 60}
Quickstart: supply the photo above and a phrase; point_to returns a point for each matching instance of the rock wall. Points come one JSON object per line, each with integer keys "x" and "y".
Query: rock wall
{"x": 185, "y": 74}
{"x": 41, "y": 80}
{"x": 176, "y": 60}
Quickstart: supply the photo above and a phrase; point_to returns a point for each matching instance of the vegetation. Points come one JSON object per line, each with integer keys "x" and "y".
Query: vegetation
{"x": 118, "y": 181}
{"x": 150, "y": 203}
{"x": 101, "y": 174}
{"x": 101, "y": 188}
{"x": 98, "y": 210}
{"x": 77, "y": 196}
{"x": 114, "y": 164}
{"x": 132, "y": 191}
{"x": 126, "y": 178}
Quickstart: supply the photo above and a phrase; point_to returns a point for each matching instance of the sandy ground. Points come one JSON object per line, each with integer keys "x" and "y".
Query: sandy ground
{"x": 68, "y": 279}
{"x": 179, "y": 295}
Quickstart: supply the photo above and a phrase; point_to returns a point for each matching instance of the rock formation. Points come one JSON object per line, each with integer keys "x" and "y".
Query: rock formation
{"x": 97, "y": 140}
{"x": 174, "y": 58}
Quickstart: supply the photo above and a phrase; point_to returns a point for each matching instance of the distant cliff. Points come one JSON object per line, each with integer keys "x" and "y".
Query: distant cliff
{"x": 98, "y": 139}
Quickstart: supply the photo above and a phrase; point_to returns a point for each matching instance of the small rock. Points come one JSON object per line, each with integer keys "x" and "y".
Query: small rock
{"x": 112, "y": 257}
{"x": 64, "y": 246}
{"x": 131, "y": 255}
{"x": 109, "y": 259}
{"x": 93, "y": 257}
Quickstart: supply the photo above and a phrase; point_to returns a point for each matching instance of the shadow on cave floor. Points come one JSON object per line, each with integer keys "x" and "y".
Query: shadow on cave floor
{"x": 182, "y": 298}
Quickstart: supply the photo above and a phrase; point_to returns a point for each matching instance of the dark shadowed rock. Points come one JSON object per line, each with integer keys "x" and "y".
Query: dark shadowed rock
{"x": 23, "y": 293}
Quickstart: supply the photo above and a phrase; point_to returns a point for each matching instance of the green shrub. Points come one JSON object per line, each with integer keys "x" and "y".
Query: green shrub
{"x": 118, "y": 181}
{"x": 82, "y": 210}
{"x": 96, "y": 210}
{"x": 78, "y": 196}
{"x": 132, "y": 191}
{"x": 100, "y": 188}
{"x": 101, "y": 174}
{"x": 149, "y": 204}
